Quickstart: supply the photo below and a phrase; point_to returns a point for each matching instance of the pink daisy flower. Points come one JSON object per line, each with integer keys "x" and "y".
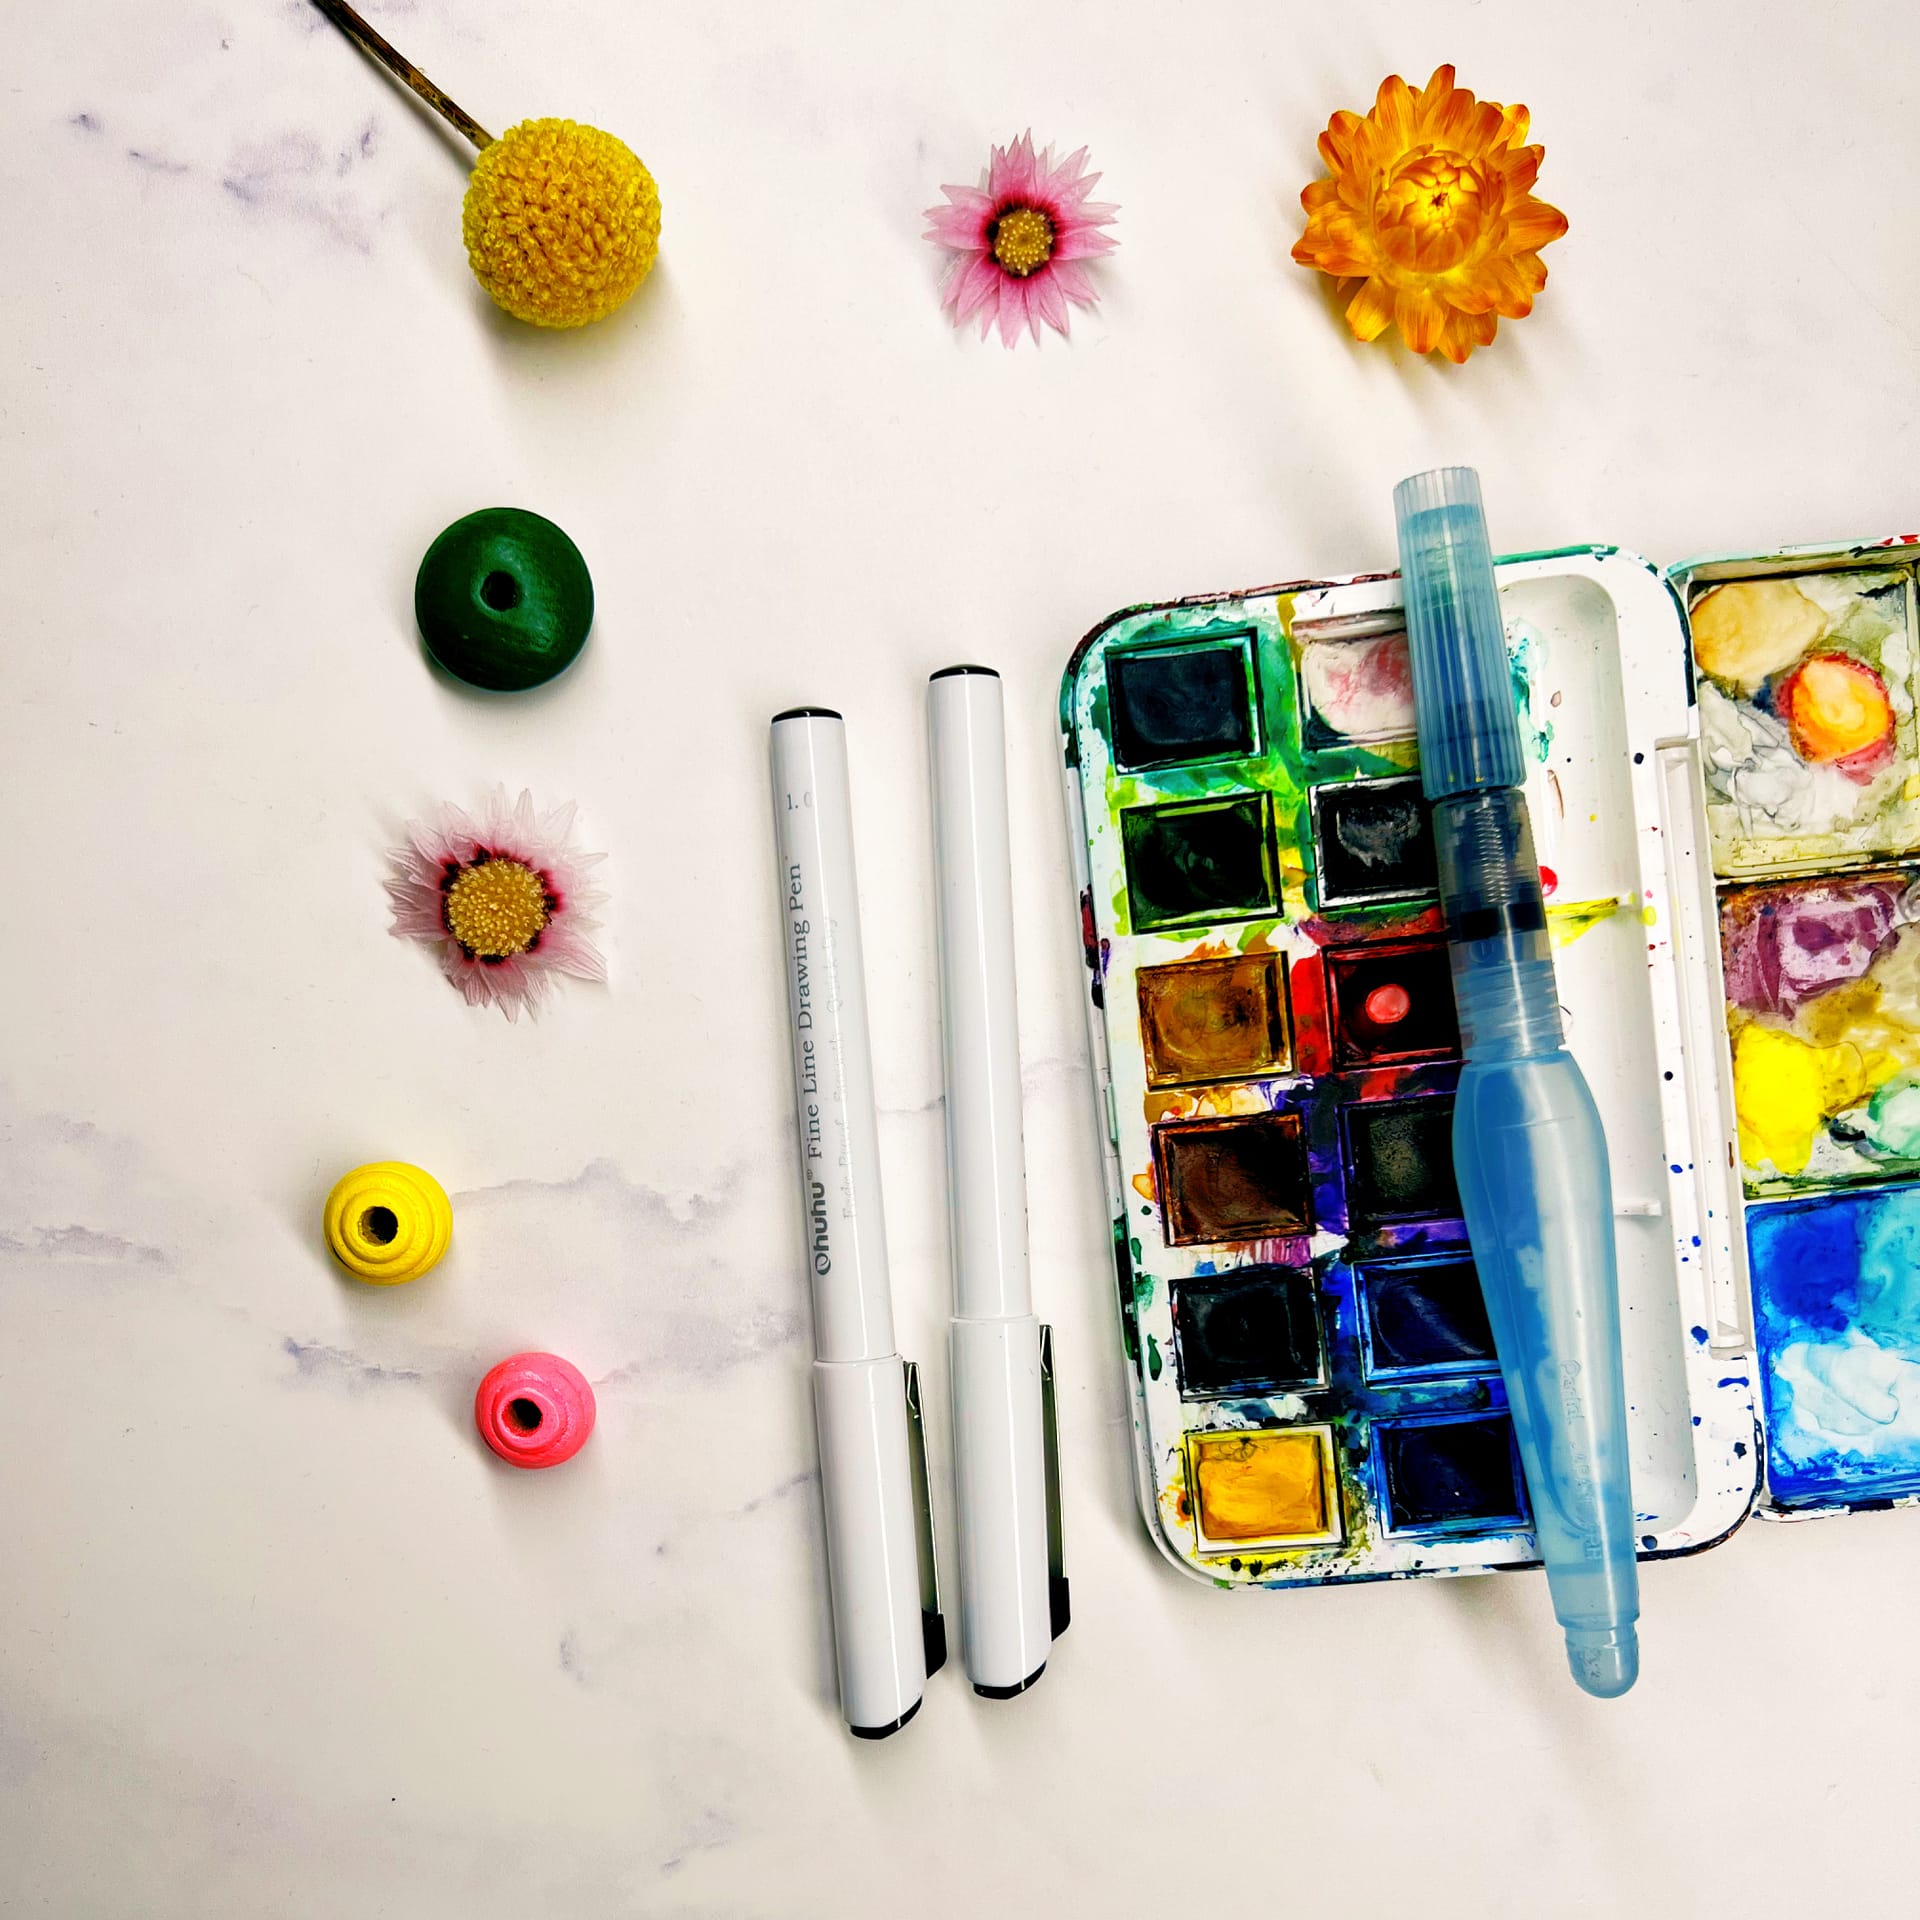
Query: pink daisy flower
{"x": 1019, "y": 247}
{"x": 503, "y": 899}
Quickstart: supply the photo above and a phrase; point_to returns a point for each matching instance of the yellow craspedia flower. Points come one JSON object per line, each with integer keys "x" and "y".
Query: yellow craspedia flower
{"x": 561, "y": 222}
{"x": 1429, "y": 204}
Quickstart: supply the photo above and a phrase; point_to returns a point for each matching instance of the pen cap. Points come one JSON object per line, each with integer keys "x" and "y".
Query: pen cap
{"x": 1462, "y": 690}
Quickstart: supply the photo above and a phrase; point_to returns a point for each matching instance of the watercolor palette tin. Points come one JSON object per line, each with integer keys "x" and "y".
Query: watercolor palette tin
{"x": 1725, "y": 790}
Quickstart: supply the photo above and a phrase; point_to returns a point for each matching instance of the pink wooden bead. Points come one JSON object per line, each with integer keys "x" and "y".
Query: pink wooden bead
{"x": 534, "y": 1410}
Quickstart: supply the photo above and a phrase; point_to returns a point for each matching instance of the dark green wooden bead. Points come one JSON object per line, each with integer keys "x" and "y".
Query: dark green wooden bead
{"x": 503, "y": 599}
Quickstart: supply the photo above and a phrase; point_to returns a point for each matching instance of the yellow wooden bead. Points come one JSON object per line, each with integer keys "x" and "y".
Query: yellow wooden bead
{"x": 388, "y": 1222}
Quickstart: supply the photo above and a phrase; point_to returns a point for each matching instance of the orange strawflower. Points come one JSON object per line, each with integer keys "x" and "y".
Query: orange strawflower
{"x": 1430, "y": 206}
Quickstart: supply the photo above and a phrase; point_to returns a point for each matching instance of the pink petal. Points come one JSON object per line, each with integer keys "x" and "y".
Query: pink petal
{"x": 956, "y": 227}
{"x": 973, "y": 284}
{"x": 576, "y": 956}
{"x": 1023, "y": 168}
{"x": 1073, "y": 282}
{"x": 999, "y": 172}
{"x": 964, "y": 223}
{"x": 1083, "y": 243}
{"x": 1013, "y": 311}
{"x": 1043, "y": 291}
{"x": 1070, "y": 180}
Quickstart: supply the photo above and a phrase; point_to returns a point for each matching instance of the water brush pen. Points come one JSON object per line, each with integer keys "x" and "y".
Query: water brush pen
{"x": 1529, "y": 1153}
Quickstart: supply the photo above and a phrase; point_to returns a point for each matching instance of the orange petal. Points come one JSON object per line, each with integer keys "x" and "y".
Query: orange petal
{"x": 1500, "y": 284}
{"x": 1476, "y": 291}
{"x": 1533, "y": 223}
{"x": 1482, "y": 134}
{"x": 1435, "y": 99}
{"x": 1531, "y": 270}
{"x": 1464, "y": 332}
{"x": 1318, "y": 193}
{"x": 1310, "y": 250}
{"x": 1421, "y": 317}
{"x": 1451, "y": 125}
{"x": 1393, "y": 112}
{"x": 1514, "y": 122}
{"x": 1398, "y": 242}
{"x": 1356, "y": 186}
{"x": 1370, "y": 312}
{"x": 1334, "y": 243}
{"x": 1337, "y": 143}
{"x": 1520, "y": 169}
{"x": 1363, "y": 167}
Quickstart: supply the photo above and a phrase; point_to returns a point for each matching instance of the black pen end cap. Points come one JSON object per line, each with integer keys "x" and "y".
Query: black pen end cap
{"x": 892, "y": 1726}
{"x": 1013, "y": 1692}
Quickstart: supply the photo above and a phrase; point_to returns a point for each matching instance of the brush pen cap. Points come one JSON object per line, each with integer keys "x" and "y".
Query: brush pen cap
{"x": 862, "y": 1416}
{"x": 1464, "y": 710}
{"x": 1000, "y": 1484}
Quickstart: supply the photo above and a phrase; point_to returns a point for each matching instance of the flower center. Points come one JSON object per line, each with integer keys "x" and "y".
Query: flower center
{"x": 1023, "y": 240}
{"x": 1431, "y": 209}
{"x": 497, "y": 908}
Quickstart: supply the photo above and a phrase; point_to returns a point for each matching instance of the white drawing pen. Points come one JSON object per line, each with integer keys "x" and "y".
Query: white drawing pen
{"x": 886, "y": 1624}
{"x": 1013, "y": 1598}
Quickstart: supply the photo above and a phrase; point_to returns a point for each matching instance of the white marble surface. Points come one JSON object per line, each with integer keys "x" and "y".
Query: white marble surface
{"x": 276, "y": 1636}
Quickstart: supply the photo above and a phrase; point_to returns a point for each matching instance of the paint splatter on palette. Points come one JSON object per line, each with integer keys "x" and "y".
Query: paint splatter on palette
{"x": 1315, "y": 1391}
{"x": 1804, "y": 667}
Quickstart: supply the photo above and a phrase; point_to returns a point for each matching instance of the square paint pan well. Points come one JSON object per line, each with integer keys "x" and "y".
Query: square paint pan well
{"x": 1442, "y": 1476}
{"x": 1391, "y": 1003}
{"x": 1373, "y": 840}
{"x": 1242, "y": 1178}
{"x": 1425, "y": 1316}
{"x": 1263, "y": 1487}
{"x": 1174, "y": 705}
{"x": 1250, "y": 1330}
{"x": 1399, "y": 1160}
{"x": 1208, "y": 1020}
{"x": 1357, "y": 687}
{"x": 1199, "y": 861}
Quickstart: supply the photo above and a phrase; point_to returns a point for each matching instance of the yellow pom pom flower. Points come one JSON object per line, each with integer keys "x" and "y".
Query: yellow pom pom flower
{"x": 561, "y": 222}
{"x": 1428, "y": 203}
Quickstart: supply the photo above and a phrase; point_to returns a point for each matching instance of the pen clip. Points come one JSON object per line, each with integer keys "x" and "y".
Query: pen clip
{"x": 1058, "y": 1606}
{"x": 933, "y": 1629}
